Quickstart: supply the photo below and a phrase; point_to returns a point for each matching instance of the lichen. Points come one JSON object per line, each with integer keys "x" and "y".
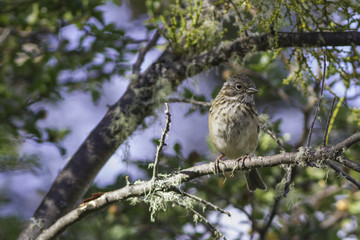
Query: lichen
{"x": 300, "y": 156}
{"x": 291, "y": 198}
{"x": 161, "y": 201}
{"x": 134, "y": 200}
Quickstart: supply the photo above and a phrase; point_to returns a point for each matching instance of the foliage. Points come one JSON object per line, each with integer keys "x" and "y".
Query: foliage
{"x": 39, "y": 64}
{"x": 189, "y": 30}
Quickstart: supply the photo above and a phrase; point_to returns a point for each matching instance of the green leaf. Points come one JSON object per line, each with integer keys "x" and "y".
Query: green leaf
{"x": 177, "y": 148}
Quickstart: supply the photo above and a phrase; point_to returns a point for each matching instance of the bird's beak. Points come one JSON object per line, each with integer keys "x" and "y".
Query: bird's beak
{"x": 251, "y": 90}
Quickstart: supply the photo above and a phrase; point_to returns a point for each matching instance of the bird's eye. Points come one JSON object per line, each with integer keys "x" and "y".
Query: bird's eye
{"x": 238, "y": 86}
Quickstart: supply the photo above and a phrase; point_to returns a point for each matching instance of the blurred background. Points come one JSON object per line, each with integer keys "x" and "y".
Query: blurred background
{"x": 62, "y": 65}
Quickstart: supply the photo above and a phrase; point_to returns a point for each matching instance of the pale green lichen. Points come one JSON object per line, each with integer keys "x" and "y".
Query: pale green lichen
{"x": 196, "y": 219}
{"x": 233, "y": 170}
{"x": 326, "y": 173}
{"x": 279, "y": 189}
{"x": 134, "y": 200}
{"x": 300, "y": 156}
{"x": 161, "y": 201}
{"x": 151, "y": 165}
{"x": 292, "y": 197}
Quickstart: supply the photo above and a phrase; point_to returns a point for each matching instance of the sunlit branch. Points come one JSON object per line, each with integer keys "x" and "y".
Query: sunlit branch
{"x": 162, "y": 142}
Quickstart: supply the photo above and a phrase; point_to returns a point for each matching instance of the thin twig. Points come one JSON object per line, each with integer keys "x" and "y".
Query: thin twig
{"x": 314, "y": 199}
{"x": 196, "y": 198}
{"x": 254, "y": 223}
{"x": 143, "y": 51}
{"x": 347, "y": 143}
{"x": 350, "y": 164}
{"x": 238, "y": 13}
{"x": 192, "y": 101}
{"x": 273, "y": 135}
{"x": 162, "y": 141}
{"x": 344, "y": 174}
{"x": 319, "y": 102}
{"x": 334, "y": 219}
{"x": 290, "y": 169}
{"x": 273, "y": 213}
{"x": 326, "y": 136}
{"x": 212, "y": 228}
{"x": 289, "y": 177}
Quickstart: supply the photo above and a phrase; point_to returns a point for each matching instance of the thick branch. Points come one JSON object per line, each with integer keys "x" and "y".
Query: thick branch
{"x": 168, "y": 184}
{"x": 123, "y": 118}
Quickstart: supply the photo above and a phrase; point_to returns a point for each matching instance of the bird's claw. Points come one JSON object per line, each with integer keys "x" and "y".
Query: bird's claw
{"x": 217, "y": 164}
{"x": 243, "y": 158}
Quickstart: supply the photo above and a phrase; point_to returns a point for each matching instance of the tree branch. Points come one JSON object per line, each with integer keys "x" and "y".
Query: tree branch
{"x": 206, "y": 203}
{"x": 344, "y": 174}
{"x": 143, "y": 188}
{"x": 321, "y": 94}
{"x": 271, "y": 217}
{"x": 326, "y": 134}
{"x": 162, "y": 141}
{"x": 211, "y": 227}
{"x": 192, "y": 101}
{"x": 350, "y": 164}
{"x": 347, "y": 143}
{"x": 143, "y": 51}
{"x": 138, "y": 102}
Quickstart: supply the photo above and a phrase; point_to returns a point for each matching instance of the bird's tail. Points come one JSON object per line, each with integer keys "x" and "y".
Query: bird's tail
{"x": 254, "y": 180}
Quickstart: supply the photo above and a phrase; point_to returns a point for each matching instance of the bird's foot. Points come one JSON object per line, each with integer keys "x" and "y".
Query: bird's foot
{"x": 242, "y": 159}
{"x": 217, "y": 164}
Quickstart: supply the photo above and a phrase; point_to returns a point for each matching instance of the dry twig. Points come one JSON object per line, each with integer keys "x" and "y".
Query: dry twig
{"x": 143, "y": 51}
{"x": 326, "y": 134}
{"x": 344, "y": 174}
{"x": 162, "y": 141}
{"x": 319, "y": 103}
{"x": 212, "y": 228}
{"x": 192, "y": 101}
{"x": 207, "y": 203}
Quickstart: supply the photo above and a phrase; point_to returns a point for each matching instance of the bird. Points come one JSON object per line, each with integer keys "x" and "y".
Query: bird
{"x": 234, "y": 125}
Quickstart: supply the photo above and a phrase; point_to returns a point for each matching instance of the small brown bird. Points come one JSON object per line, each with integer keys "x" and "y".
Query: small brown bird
{"x": 234, "y": 124}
